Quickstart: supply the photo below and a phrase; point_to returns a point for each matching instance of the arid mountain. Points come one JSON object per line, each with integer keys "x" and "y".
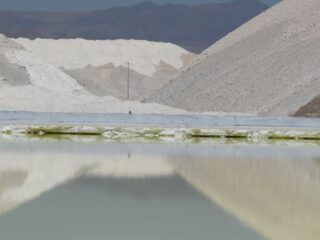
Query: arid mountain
{"x": 191, "y": 27}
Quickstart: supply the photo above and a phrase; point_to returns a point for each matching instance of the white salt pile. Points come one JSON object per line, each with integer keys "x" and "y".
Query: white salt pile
{"x": 40, "y": 86}
{"x": 101, "y": 67}
{"x": 144, "y": 56}
{"x": 269, "y": 66}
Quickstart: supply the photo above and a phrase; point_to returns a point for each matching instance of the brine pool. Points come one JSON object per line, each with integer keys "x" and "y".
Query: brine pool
{"x": 87, "y": 188}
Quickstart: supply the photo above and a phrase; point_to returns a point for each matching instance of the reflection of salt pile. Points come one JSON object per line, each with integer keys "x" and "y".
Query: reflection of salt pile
{"x": 101, "y": 66}
{"x": 29, "y": 83}
{"x": 47, "y": 166}
{"x": 276, "y": 196}
{"x": 269, "y": 66}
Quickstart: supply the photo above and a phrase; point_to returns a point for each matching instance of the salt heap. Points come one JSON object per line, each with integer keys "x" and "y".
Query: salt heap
{"x": 29, "y": 83}
{"x": 269, "y": 66}
{"x": 101, "y": 66}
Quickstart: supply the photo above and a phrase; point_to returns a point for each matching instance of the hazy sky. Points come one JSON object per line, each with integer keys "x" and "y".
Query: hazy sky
{"x": 67, "y": 5}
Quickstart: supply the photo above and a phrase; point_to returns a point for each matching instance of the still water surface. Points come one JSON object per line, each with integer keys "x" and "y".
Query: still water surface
{"x": 95, "y": 190}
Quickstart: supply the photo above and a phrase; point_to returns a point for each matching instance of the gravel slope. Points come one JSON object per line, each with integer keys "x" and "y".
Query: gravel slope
{"x": 269, "y": 66}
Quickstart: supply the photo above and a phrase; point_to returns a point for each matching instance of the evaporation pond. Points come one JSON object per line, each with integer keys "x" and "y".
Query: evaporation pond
{"x": 80, "y": 190}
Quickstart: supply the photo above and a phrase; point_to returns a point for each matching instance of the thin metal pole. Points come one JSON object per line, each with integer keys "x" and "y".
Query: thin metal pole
{"x": 128, "y": 83}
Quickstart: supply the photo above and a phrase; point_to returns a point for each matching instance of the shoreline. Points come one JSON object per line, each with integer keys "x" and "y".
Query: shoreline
{"x": 153, "y": 126}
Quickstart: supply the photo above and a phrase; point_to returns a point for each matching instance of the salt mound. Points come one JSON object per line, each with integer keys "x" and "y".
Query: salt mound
{"x": 144, "y": 56}
{"x": 269, "y": 66}
{"x": 42, "y": 74}
{"x": 101, "y": 66}
{"x": 38, "y": 72}
{"x": 29, "y": 98}
{"x": 40, "y": 86}
{"x": 11, "y": 74}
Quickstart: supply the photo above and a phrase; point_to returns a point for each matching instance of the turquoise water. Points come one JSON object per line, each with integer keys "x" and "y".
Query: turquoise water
{"x": 52, "y": 189}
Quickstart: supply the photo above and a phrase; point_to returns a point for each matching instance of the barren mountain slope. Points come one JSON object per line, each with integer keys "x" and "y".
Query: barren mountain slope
{"x": 269, "y": 66}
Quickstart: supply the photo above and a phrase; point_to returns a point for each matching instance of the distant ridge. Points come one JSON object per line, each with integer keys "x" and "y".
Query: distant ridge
{"x": 191, "y": 27}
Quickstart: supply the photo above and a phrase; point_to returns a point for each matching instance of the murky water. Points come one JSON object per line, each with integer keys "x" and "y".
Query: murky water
{"x": 57, "y": 189}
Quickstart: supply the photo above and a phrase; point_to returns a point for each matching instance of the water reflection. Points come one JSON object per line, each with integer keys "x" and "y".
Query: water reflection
{"x": 274, "y": 191}
{"x": 158, "y": 191}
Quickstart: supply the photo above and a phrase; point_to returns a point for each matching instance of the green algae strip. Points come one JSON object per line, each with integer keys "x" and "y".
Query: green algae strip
{"x": 63, "y": 130}
{"x": 154, "y": 132}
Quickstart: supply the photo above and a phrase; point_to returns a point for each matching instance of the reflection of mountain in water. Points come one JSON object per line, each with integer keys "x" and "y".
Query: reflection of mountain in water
{"x": 28, "y": 170}
{"x": 274, "y": 190}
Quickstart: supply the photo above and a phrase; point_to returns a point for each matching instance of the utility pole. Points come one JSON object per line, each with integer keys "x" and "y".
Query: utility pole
{"x": 128, "y": 83}
{"x": 128, "y": 86}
